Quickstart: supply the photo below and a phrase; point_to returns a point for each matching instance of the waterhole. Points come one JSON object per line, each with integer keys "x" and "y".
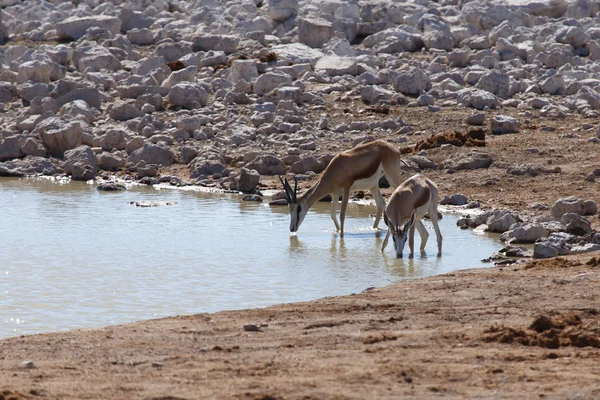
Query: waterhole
{"x": 74, "y": 257}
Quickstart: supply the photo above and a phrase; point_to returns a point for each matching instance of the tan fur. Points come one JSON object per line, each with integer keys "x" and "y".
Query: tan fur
{"x": 414, "y": 198}
{"x": 348, "y": 167}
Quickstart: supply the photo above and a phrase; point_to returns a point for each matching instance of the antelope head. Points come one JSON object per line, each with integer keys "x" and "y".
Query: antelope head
{"x": 298, "y": 208}
{"x": 399, "y": 232}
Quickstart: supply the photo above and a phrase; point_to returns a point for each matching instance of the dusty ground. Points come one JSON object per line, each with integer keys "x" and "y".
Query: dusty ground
{"x": 468, "y": 334}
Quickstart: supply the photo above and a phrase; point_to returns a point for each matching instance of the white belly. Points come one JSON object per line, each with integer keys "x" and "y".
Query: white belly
{"x": 368, "y": 183}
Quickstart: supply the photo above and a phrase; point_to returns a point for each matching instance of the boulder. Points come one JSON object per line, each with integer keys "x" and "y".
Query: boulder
{"x": 473, "y": 160}
{"x": 113, "y": 138}
{"x": 455, "y": 200}
{"x": 568, "y": 205}
{"x": 122, "y": 111}
{"x": 307, "y": 164}
{"x": 557, "y": 244}
{"x": 81, "y": 163}
{"x": 314, "y": 32}
{"x": 280, "y": 10}
{"x": 267, "y": 165}
{"x": 188, "y": 95}
{"x": 34, "y": 71}
{"x": 525, "y": 233}
{"x": 501, "y": 124}
{"x": 110, "y": 162}
{"x": 33, "y": 147}
{"x": 74, "y": 28}
{"x": 412, "y": 82}
{"x": 271, "y": 80}
{"x": 576, "y": 224}
{"x": 207, "y": 164}
{"x": 372, "y": 94}
{"x": 590, "y": 207}
{"x": 59, "y": 135}
{"x": 334, "y": 65}
{"x": 247, "y": 180}
{"x": 500, "y": 221}
{"x": 243, "y": 70}
{"x": 187, "y": 74}
{"x": 478, "y": 99}
{"x": 152, "y": 154}
{"x": 10, "y": 148}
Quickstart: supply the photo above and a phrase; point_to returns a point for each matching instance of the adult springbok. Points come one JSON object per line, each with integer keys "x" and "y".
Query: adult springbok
{"x": 414, "y": 198}
{"x": 359, "y": 168}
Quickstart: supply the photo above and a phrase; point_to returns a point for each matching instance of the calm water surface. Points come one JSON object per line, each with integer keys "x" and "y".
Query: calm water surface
{"x": 74, "y": 257}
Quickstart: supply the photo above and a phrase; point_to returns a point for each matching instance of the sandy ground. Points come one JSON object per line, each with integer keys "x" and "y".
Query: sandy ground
{"x": 469, "y": 334}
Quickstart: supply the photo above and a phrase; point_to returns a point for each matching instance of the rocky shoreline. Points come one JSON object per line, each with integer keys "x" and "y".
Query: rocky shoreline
{"x": 496, "y": 101}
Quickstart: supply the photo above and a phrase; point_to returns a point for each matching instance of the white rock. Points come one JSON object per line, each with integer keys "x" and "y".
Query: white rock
{"x": 122, "y": 111}
{"x": 78, "y": 110}
{"x": 280, "y": 10}
{"x": 314, "y": 32}
{"x": 184, "y": 75}
{"x": 188, "y": 95}
{"x": 338, "y": 47}
{"x": 526, "y": 233}
{"x": 297, "y": 53}
{"x": 81, "y": 163}
{"x": 141, "y": 37}
{"x": 59, "y": 135}
{"x": 372, "y": 94}
{"x": 110, "y": 162}
{"x": 554, "y": 84}
{"x": 500, "y": 221}
{"x": 243, "y": 69}
{"x": 393, "y": 40}
{"x": 413, "y": 81}
{"x": 568, "y": 205}
{"x": 152, "y": 154}
{"x": 271, "y": 80}
{"x": 572, "y": 35}
{"x": 206, "y": 42}
{"x": 34, "y": 71}
{"x": 501, "y": 124}
{"x": 478, "y": 99}
{"x": 334, "y": 65}
{"x": 495, "y": 82}
{"x": 75, "y": 27}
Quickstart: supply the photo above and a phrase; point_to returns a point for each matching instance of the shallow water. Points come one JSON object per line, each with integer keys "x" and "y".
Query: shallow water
{"x": 74, "y": 257}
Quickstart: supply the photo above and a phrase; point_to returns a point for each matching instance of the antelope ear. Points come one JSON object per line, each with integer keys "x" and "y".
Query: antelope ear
{"x": 410, "y": 222}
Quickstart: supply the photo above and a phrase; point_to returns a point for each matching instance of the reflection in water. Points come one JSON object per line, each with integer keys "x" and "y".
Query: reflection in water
{"x": 75, "y": 257}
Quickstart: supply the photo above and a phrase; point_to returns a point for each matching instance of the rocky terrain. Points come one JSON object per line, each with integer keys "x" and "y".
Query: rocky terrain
{"x": 497, "y": 101}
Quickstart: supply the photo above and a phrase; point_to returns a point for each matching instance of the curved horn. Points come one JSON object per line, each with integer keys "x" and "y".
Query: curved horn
{"x": 295, "y": 190}
{"x": 286, "y": 188}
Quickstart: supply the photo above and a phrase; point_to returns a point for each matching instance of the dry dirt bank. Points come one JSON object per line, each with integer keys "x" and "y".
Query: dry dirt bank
{"x": 467, "y": 334}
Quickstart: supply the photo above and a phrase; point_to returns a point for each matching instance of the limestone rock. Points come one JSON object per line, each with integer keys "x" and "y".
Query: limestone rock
{"x": 501, "y": 124}
{"x": 568, "y": 205}
{"x": 152, "y": 154}
{"x": 74, "y": 28}
{"x": 59, "y": 135}
{"x": 188, "y": 95}
{"x": 473, "y": 160}
{"x": 81, "y": 163}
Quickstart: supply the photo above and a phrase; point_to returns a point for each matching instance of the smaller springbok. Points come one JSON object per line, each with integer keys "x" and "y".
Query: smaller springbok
{"x": 411, "y": 201}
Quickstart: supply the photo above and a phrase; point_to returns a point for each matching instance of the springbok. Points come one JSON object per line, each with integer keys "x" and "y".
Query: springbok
{"x": 359, "y": 168}
{"x": 414, "y": 198}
